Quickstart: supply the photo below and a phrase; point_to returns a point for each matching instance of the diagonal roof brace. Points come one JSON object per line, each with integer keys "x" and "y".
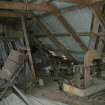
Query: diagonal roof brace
{"x": 98, "y": 13}
{"x": 68, "y": 27}
{"x": 58, "y": 44}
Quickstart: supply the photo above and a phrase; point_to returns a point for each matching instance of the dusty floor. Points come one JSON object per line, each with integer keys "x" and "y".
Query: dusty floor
{"x": 52, "y": 92}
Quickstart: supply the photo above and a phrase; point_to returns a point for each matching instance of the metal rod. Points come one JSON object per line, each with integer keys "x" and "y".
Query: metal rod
{"x": 22, "y": 96}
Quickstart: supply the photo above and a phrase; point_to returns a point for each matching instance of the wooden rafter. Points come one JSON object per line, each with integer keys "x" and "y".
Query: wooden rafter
{"x": 83, "y": 2}
{"x": 13, "y": 14}
{"x": 75, "y": 7}
{"x": 68, "y": 27}
{"x": 59, "y": 45}
{"x": 98, "y": 13}
{"x": 62, "y": 34}
{"x": 95, "y": 7}
{"x": 28, "y": 47}
{"x": 101, "y": 35}
{"x": 43, "y": 7}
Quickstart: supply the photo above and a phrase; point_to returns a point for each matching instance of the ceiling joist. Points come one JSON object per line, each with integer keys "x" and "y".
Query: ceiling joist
{"x": 61, "y": 34}
{"x": 42, "y": 7}
{"x": 83, "y": 2}
{"x": 13, "y": 14}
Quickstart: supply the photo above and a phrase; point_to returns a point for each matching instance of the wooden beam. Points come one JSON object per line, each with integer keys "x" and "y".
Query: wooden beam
{"x": 65, "y": 10}
{"x": 28, "y": 47}
{"x": 61, "y": 34}
{"x": 76, "y": 7}
{"x": 72, "y": 1}
{"x": 59, "y": 45}
{"x": 43, "y": 7}
{"x": 101, "y": 35}
{"x": 98, "y": 13}
{"x": 97, "y": 42}
{"x": 13, "y": 14}
{"x": 83, "y": 2}
{"x": 68, "y": 27}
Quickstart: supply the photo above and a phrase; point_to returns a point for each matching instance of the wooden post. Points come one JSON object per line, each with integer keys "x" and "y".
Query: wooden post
{"x": 28, "y": 47}
{"x": 87, "y": 77}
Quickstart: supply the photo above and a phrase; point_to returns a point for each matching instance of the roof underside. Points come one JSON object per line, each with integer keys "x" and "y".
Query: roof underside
{"x": 79, "y": 19}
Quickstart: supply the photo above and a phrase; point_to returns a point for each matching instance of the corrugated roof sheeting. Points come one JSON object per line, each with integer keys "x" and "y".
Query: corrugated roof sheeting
{"x": 77, "y": 56}
{"x": 47, "y": 42}
{"x": 73, "y": 47}
{"x": 61, "y": 5}
{"x": 53, "y": 24}
{"x": 80, "y": 21}
{"x": 69, "y": 43}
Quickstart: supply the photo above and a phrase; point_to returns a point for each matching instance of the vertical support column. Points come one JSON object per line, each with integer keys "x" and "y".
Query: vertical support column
{"x": 77, "y": 75}
{"x": 100, "y": 46}
{"x": 28, "y": 47}
{"x": 95, "y": 28}
{"x": 92, "y": 42}
{"x": 87, "y": 77}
